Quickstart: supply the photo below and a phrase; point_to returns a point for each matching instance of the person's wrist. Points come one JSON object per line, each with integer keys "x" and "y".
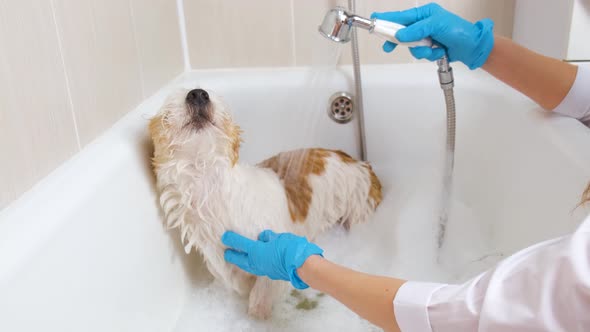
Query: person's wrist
{"x": 306, "y": 270}
{"x": 495, "y": 53}
{"x": 484, "y": 43}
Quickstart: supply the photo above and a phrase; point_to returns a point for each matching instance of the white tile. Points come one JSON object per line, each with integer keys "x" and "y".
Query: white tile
{"x": 36, "y": 124}
{"x": 158, "y": 40}
{"x": 578, "y": 46}
{"x": 237, "y": 33}
{"x": 533, "y": 32}
{"x": 102, "y": 63}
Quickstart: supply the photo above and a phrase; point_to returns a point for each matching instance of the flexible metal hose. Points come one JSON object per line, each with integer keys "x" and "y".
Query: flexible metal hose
{"x": 358, "y": 86}
{"x": 445, "y": 76}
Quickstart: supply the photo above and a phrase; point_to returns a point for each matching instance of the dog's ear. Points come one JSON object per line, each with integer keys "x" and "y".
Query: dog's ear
{"x": 158, "y": 133}
{"x": 233, "y": 132}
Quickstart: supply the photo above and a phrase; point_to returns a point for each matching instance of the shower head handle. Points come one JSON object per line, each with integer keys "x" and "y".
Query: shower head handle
{"x": 337, "y": 26}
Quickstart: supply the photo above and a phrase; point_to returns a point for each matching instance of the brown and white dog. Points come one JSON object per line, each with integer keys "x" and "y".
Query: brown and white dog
{"x": 205, "y": 191}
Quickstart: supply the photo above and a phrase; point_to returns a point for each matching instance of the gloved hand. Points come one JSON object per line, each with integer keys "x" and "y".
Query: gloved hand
{"x": 277, "y": 256}
{"x": 464, "y": 41}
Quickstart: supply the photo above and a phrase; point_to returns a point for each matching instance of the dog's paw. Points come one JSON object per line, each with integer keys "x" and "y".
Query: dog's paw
{"x": 261, "y": 299}
{"x": 260, "y": 311}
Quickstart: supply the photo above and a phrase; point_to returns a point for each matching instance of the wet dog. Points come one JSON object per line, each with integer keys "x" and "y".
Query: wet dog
{"x": 205, "y": 190}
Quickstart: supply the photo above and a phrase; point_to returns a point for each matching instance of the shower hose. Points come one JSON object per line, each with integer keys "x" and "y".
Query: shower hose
{"x": 358, "y": 86}
{"x": 445, "y": 77}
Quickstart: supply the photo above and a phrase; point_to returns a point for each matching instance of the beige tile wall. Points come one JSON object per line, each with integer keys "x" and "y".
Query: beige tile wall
{"x": 69, "y": 69}
{"x": 238, "y": 33}
{"x": 284, "y": 32}
{"x": 36, "y": 125}
{"x": 158, "y": 42}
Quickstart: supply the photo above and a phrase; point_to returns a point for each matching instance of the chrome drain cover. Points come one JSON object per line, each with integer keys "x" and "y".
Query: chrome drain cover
{"x": 341, "y": 107}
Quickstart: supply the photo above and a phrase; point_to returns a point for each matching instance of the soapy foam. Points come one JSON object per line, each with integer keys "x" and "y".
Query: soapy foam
{"x": 400, "y": 241}
{"x": 213, "y": 308}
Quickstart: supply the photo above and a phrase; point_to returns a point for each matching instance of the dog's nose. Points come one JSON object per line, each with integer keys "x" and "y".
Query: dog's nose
{"x": 197, "y": 97}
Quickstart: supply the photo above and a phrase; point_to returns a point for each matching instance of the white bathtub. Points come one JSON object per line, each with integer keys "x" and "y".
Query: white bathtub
{"x": 85, "y": 250}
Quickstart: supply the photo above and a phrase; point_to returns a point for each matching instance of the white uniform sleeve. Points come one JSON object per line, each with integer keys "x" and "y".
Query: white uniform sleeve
{"x": 577, "y": 102}
{"x": 545, "y": 287}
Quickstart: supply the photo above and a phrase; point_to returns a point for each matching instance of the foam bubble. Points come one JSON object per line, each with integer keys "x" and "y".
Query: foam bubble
{"x": 213, "y": 308}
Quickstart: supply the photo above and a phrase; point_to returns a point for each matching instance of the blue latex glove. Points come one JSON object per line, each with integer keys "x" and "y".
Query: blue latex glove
{"x": 277, "y": 256}
{"x": 464, "y": 41}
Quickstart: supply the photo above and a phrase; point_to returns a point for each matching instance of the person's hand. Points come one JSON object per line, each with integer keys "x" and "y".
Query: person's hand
{"x": 277, "y": 256}
{"x": 464, "y": 41}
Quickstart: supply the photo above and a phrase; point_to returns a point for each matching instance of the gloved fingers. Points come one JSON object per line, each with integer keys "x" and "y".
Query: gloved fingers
{"x": 415, "y": 32}
{"x": 237, "y": 258}
{"x": 424, "y": 52}
{"x": 236, "y": 241}
{"x": 421, "y": 52}
{"x": 437, "y": 53}
{"x": 409, "y": 16}
{"x": 388, "y": 47}
{"x": 267, "y": 235}
{"x": 405, "y": 17}
{"x": 427, "y": 10}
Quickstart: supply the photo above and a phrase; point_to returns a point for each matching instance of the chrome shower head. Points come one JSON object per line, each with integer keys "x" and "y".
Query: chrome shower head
{"x": 338, "y": 24}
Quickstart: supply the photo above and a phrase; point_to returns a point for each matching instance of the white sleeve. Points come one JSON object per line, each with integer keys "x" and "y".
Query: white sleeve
{"x": 577, "y": 102}
{"x": 545, "y": 287}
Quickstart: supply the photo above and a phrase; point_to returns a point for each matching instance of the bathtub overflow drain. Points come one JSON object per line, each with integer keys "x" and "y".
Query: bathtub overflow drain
{"x": 341, "y": 107}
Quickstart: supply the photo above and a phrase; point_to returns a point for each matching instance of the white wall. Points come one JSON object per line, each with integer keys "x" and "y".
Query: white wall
{"x": 579, "y": 39}
{"x": 557, "y": 29}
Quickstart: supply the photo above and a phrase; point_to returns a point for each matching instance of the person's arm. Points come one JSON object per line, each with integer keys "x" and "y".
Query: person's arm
{"x": 292, "y": 258}
{"x": 545, "y": 80}
{"x": 545, "y": 287}
{"x": 371, "y": 297}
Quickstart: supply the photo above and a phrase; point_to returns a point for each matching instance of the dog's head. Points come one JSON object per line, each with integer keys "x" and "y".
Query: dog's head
{"x": 194, "y": 127}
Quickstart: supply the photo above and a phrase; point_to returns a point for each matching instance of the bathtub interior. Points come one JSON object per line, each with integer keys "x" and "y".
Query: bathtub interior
{"x": 517, "y": 178}
{"x": 85, "y": 250}
{"x": 517, "y": 181}
{"x": 93, "y": 254}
